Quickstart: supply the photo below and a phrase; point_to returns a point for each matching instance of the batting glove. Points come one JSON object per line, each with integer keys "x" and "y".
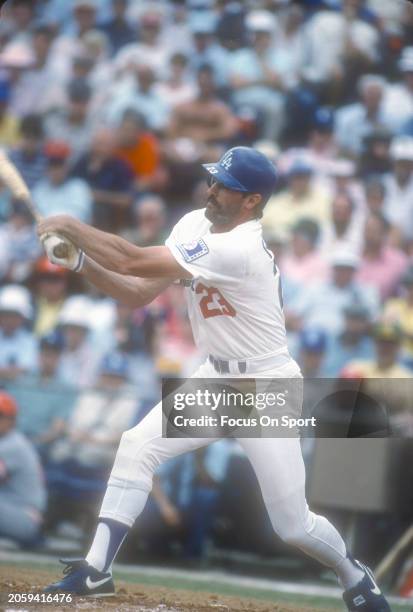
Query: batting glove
{"x": 75, "y": 257}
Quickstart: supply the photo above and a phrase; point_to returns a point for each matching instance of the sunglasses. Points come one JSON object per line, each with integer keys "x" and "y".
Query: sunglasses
{"x": 211, "y": 181}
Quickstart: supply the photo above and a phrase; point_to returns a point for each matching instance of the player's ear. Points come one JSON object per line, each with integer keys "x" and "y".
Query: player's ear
{"x": 253, "y": 200}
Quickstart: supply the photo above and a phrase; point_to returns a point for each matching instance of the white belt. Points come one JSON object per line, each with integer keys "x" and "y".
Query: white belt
{"x": 250, "y": 366}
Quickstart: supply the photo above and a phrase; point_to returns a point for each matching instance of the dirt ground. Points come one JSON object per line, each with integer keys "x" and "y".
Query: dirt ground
{"x": 129, "y": 597}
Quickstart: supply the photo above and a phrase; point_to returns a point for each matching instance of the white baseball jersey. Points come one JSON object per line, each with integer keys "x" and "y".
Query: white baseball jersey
{"x": 234, "y": 299}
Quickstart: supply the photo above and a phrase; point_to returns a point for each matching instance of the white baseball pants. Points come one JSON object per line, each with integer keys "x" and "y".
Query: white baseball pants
{"x": 277, "y": 462}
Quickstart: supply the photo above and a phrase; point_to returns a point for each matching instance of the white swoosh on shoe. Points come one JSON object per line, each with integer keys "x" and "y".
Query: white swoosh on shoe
{"x": 92, "y": 584}
{"x": 376, "y": 590}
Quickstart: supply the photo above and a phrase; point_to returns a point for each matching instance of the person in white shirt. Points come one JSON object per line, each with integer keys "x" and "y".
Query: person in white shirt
{"x": 333, "y": 39}
{"x": 355, "y": 121}
{"x": 398, "y": 207}
{"x": 397, "y": 107}
{"x": 235, "y": 307}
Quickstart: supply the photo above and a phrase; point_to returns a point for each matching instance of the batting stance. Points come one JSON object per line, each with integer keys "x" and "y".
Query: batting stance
{"x": 235, "y": 308}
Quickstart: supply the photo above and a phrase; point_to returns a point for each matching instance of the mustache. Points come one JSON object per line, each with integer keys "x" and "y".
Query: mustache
{"x": 212, "y": 200}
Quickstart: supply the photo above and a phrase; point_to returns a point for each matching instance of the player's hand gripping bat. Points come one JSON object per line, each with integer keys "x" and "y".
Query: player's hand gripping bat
{"x": 10, "y": 176}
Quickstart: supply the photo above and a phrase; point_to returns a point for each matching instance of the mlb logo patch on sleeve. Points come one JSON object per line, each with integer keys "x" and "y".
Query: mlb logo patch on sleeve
{"x": 193, "y": 250}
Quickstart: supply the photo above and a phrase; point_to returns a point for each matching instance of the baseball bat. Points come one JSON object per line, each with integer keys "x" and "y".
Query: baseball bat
{"x": 13, "y": 180}
{"x": 394, "y": 553}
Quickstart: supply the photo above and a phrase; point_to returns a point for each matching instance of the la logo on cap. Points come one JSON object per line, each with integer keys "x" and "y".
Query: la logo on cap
{"x": 227, "y": 160}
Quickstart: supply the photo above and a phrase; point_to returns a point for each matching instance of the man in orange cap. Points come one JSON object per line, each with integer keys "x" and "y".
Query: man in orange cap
{"x": 22, "y": 491}
{"x": 51, "y": 284}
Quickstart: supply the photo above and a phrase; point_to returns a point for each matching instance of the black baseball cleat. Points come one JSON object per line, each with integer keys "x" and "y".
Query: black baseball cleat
{"x": 80, "y": 578}
{"x": 366, "y": 595}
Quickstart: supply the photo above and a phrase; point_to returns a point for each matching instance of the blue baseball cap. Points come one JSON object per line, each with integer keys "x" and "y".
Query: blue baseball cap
{"x": 244, "y": 169}
{"x": 324, "y": 119}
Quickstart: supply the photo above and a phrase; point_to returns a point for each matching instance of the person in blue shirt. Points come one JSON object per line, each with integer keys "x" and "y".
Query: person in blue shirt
{"x": 45, "y": 401}
{"x": 60, "y": 193}
{"x": 109, "y": 177}
{"x": 354, "y": 342}
{"x": 28, "y": 156}
{"x": 259, "y": 75}
{"x": 22, "y": 490}
{"x": 118, "y": 30}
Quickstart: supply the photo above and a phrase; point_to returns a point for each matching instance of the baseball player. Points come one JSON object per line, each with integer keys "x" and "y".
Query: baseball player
{"x": 235, "y": 307}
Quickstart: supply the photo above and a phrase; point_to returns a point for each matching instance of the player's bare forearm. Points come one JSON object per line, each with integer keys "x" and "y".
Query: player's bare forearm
{"x": 129, "y": 290}
{"x": 115, "y": 253}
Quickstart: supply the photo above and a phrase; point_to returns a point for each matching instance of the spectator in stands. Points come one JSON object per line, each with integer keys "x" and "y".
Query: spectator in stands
{"x": 100, "y": 416}
{"x": 141, "y": 150}
{"x": 150, "y": 219}
{"x": 395, "y": 395}
{"x": 375, "y": 155}
{"x": 31, "y": 93}
{"x": 18, "y": 347}
{"x": 230, "y": 28}
{"x": 289, "y": 39}
{"x": 382, "y": 265}
{"x": 400, "y": 311}
{"x": 79, "y": 360}
{"x": 176, "y": 35}
{"x": 398, "y": 100}
{"x": 344, "y": 229}
{"x": 343, "y": 178}
{"x": 302, "y": 263}
{"x": 28, "y": 156}
{"x": 19, "y": 245}
{"x": 68, "y": 43}
{"x": 354, "y": 121}
{"x": 15, "y": 59}
{"x": 353, "y": 343}
{"x": 322, "y": 146}
{"x": 399, "y": 191}
{"x": 133, "y": 331}
{"x": 175, "y": 353}
{"x": 73, "y": 124}
{"x": 21, "y": 14}
{"x": 148, "y": 50}
{"x": 118, "y": 29}
{"x": 386, "y": 362}
{"x": 303, "y": 198}
{"x": 313, "y": 345}
{"x": 58, "y": 193}
{"x": 9, "y": 125}
{"x": 375, "y": 194}
{"x": 109, "y": 178}
{"x": 184, "y": 500}
{"x": 139, "y": 93}
{"x": 50, "y": 286}
{"x": 322, "y": 305}
{"x": 206, "y": 50}
{"x": 45, "y": 401}
{"x": 203, "y": 124}
{"x": 22, "y": 490}
{"x": 259, "y": 75}
{"x": 339, "y": 47}
{"x": 98, "y": 71}
{"x": 178, "y": 87}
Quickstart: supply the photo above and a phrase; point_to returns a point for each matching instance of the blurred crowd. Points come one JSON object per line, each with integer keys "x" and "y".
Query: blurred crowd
{"x": 108, "y": 108}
